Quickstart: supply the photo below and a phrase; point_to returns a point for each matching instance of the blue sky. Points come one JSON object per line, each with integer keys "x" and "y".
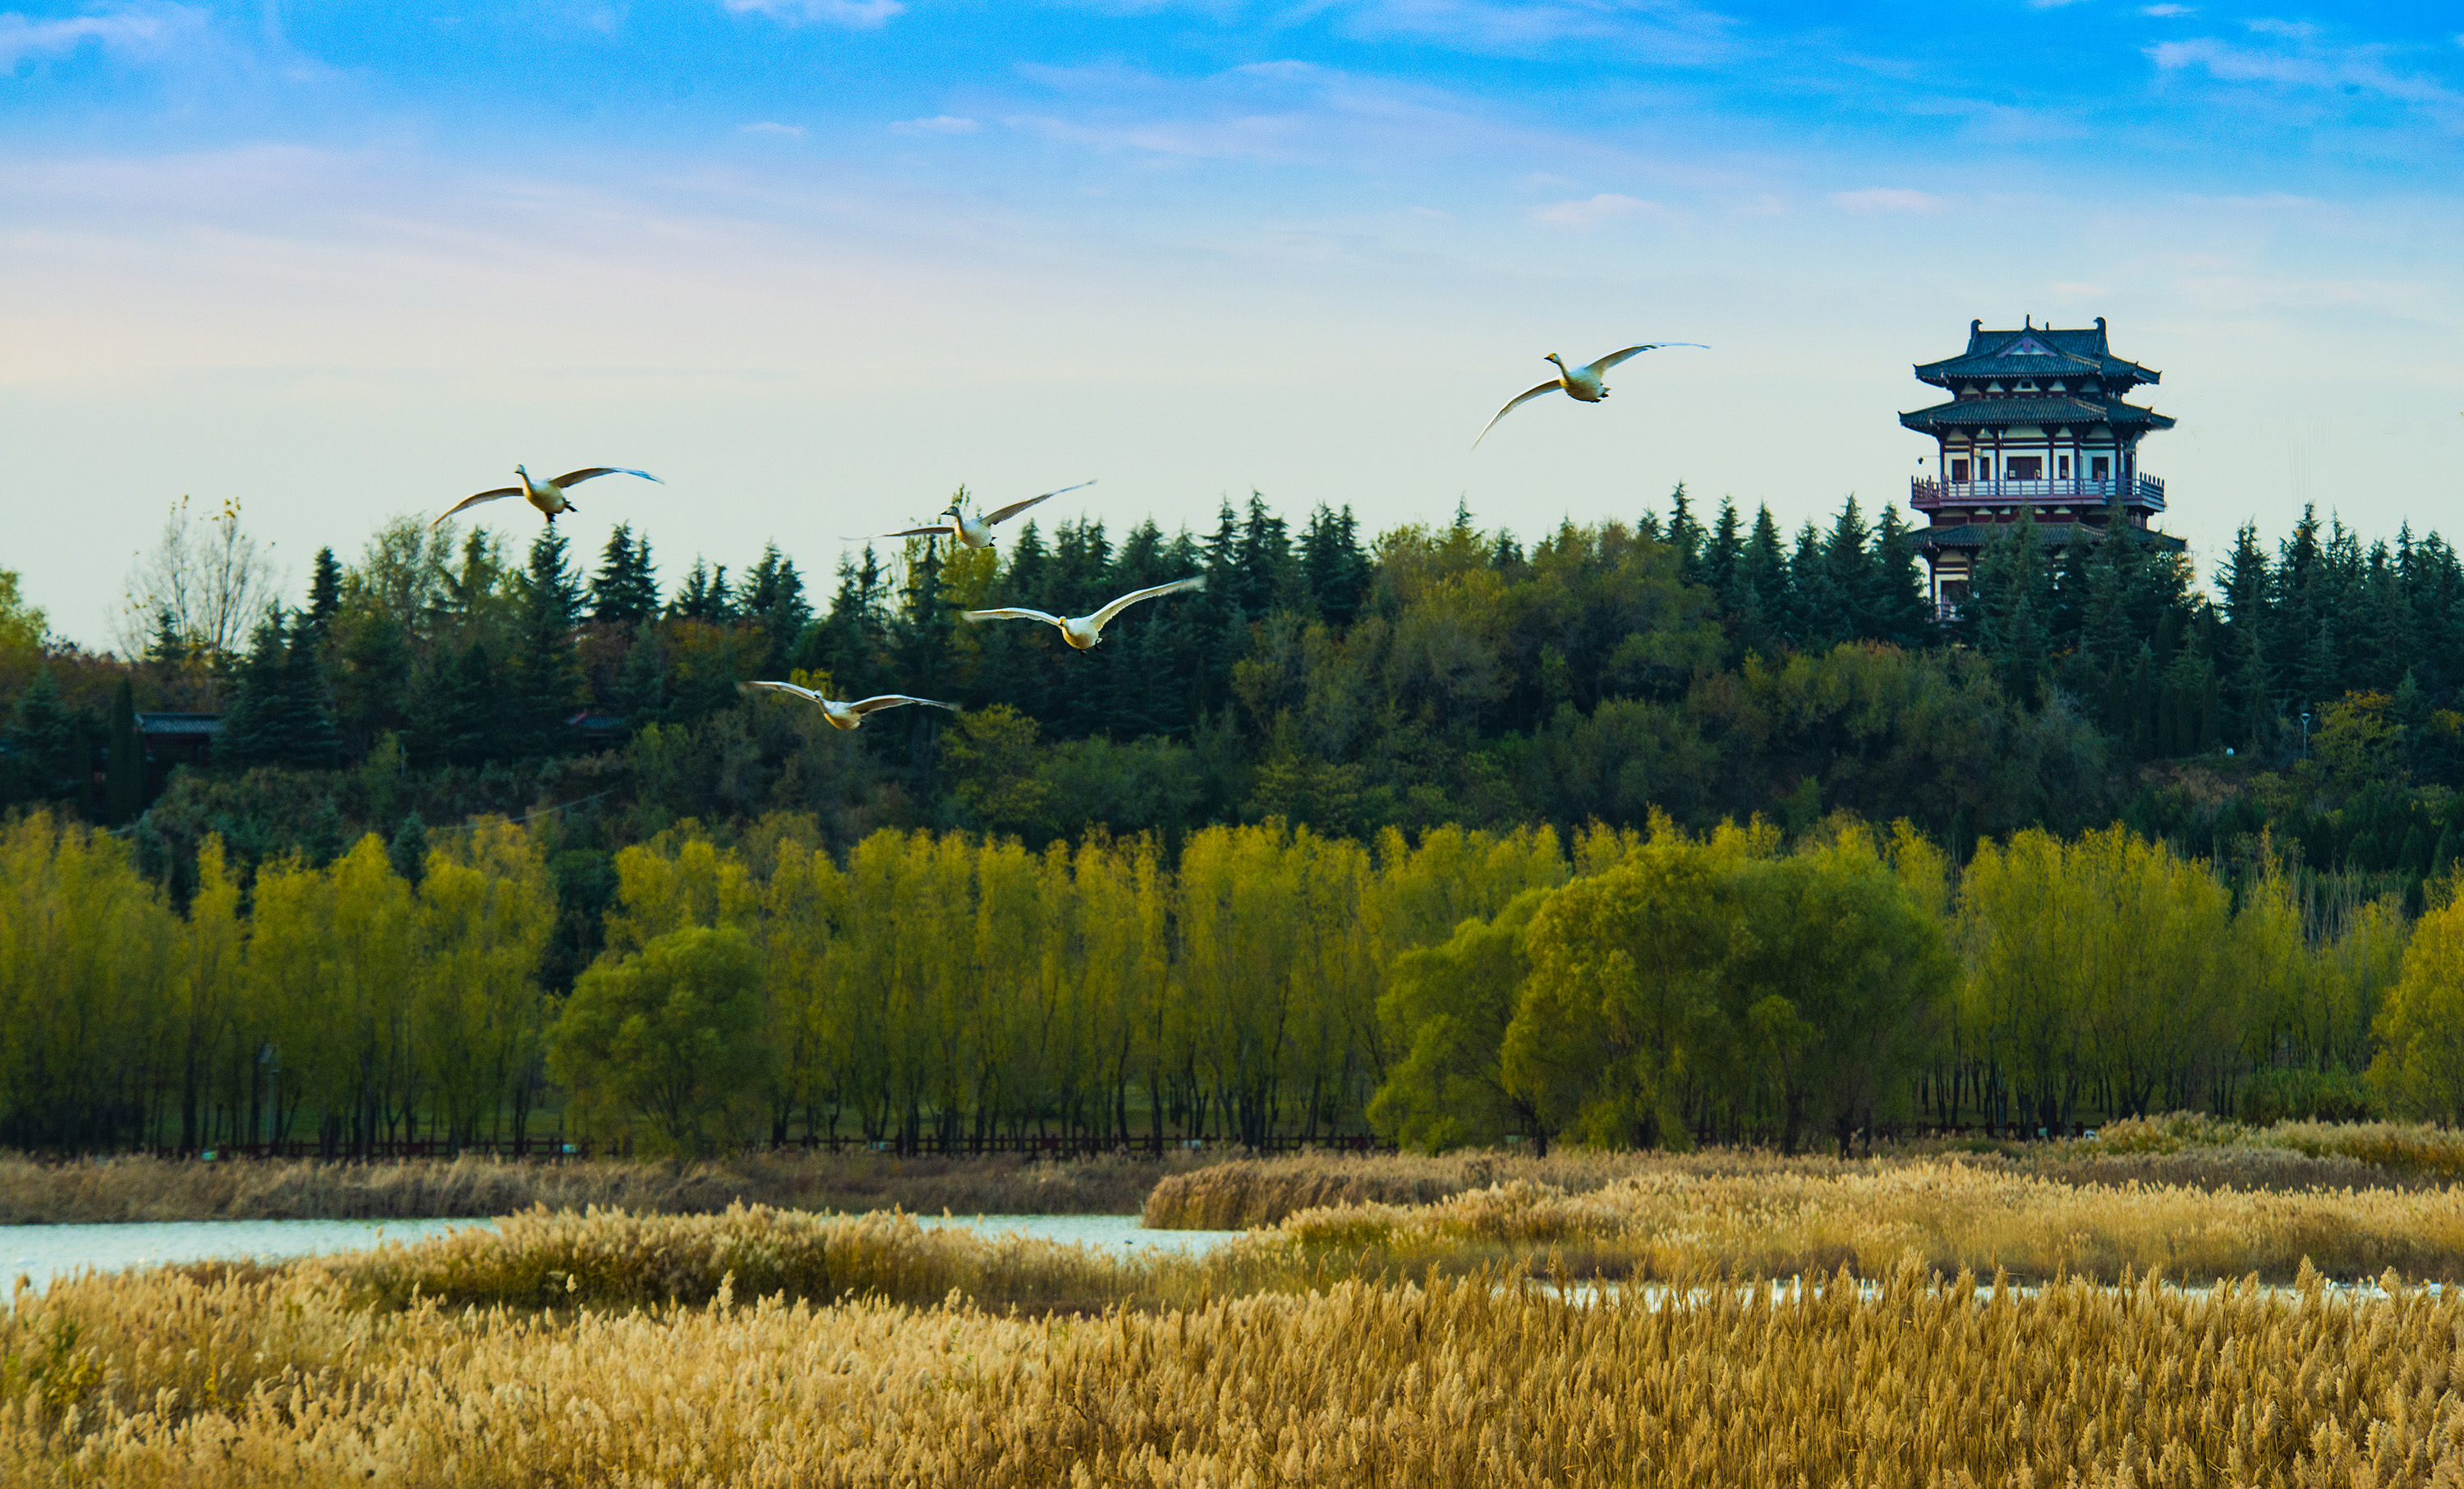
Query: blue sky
{"x": 819, "y": 261}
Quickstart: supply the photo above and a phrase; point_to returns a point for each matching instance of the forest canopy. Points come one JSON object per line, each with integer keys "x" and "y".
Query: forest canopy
{"x": 2170, "y": 843}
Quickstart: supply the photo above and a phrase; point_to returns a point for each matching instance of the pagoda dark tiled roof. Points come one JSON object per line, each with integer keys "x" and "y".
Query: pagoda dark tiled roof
{"x": 2055, "y": 534}
{"x": 2067, "y": 354}
{"x": 2053, "y": 409}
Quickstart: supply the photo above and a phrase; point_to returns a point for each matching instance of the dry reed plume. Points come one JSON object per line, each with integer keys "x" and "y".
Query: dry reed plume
{"x": 156, "y": 1188}
{"x": 1948, "y": 1216}
{"x": 168, "y": 1378}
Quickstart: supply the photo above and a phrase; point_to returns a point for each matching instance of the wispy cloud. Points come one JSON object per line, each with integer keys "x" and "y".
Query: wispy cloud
{"x": 127, "y": 28}
{"x": 1595, "y": 211}
{"x": 2300, "y": 60}
{"x": 857, "y": 14}
{"x": 1888, "y": 199}
{"x": 938, "y": 124}
{"x": 1670, "y": 31}
{"x": 771, "y": 126}
{"x": 2167, "y": 11}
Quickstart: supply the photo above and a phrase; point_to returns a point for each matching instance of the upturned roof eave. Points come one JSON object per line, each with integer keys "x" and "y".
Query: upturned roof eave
{"x": 1981, "y": 410}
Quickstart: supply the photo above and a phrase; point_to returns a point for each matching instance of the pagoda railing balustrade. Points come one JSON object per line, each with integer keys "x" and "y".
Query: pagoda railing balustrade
{"x": 1928, "y": 494}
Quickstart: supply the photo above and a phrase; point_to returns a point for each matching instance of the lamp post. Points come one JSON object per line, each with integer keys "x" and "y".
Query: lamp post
{"x": 2305, "y": 734}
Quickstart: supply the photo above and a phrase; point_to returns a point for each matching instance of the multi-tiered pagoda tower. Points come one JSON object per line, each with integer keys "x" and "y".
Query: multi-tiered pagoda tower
{"x": 2035, "y": 431}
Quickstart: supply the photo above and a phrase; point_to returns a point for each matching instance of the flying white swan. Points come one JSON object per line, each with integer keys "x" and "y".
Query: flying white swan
{"x": 548, "y": 496}
{"x": 1582, "y": 384}
{"x": 851, "y": 715}
{"x": 1083, "y": 631}
{"x": 977, "y": 531}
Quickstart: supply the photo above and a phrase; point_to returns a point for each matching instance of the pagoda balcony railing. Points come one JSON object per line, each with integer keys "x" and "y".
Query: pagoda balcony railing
{"x": 1928, "y": 494}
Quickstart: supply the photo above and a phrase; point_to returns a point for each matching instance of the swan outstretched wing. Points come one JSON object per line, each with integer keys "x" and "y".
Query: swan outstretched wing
{"x": 1516, "y": 402}
{"x": 1011, "y": 613}
{"x": 893, "y": 700}
{"x": 1016, "y": 507}
{"x": 805, "y": 693}
{"x": 594, "y": 473}
{"x": 1104, "y": 617}
{"x": 498, "y": 495}
{"x": 1614, "y": 358}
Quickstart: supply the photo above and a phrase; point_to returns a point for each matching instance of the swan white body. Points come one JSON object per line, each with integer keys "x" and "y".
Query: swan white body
{"x": 1085, "y": 631}
{"x": 852, "y": 715}
{"x": 1584, "y": 384}
{"x": 975, "y": 532}
{"x": 548, "y": 496}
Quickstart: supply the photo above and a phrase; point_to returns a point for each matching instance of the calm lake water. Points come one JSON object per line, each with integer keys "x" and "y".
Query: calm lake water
{"x": 43, "y": 1252}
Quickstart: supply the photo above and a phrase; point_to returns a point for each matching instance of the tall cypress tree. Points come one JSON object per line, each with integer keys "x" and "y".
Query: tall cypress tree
{"x": 125, "y": 774}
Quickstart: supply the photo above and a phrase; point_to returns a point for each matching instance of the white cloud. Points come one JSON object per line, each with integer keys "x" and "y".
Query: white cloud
{"x": 2165, "y": 12}
{"x": 858, "y": 14}
{"x": 1595, "y": 211}
{"x": 1887, "y": 199}
{"x": 938, "y": 124}
{"x": 769, "y": 126}
{"x": 130, "y": 27}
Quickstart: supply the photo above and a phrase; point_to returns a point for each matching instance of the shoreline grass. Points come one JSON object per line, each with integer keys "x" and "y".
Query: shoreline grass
{"x": 33, "y": 1191}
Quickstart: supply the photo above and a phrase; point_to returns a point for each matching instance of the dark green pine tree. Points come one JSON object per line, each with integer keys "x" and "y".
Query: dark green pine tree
{"x": 1813, "y": 618}
{"x": 1333, "y": 564}
{"x": 2010, "y": 605}
{"x": 309, "y": 740}
{"x": 772, "y": 596}
{"x": 281, "y": 713}
{"x": 626, "y": 590}
{"x": 125, "y": 773}
{"x": 166, "y": 648}
{"x": 1725, "y": 547}
{"x": 46, "y": 749}
{"x": 1899, "y": 613}
{"x": 2242, "y": 662}
{"x": 1686, "y": 535}
{"x": 1763, "y": 577}
{"x": 409, "y": 849}
{"x": 371, "y": 678}
{"x": 455, "y": 720}
{"x": 1264, "y": 569}
{"x": 547, "y": 683}
{"x": 324, "y": 590}
{"x": 704, "y": 596}
{"x": 1848, "y": 570}
{"x": 252, "y": 731}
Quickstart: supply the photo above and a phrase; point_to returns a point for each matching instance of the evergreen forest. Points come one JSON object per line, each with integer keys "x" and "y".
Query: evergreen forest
{"x": 1662, "y": 832}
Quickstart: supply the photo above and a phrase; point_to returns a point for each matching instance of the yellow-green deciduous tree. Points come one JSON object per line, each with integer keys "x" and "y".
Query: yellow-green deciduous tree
{"x": 665, "y": 1041}
{"x": 1446, "y": 1009}
{"x": 2420, "y": 1064}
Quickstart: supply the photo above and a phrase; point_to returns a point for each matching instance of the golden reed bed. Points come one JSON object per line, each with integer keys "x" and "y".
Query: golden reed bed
{"x": 326, "y": 1376}
{"x": 1942, "y": 1216}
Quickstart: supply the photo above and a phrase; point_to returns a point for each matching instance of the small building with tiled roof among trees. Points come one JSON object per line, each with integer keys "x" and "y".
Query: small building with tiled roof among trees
{"x": 2036, "y": 430}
